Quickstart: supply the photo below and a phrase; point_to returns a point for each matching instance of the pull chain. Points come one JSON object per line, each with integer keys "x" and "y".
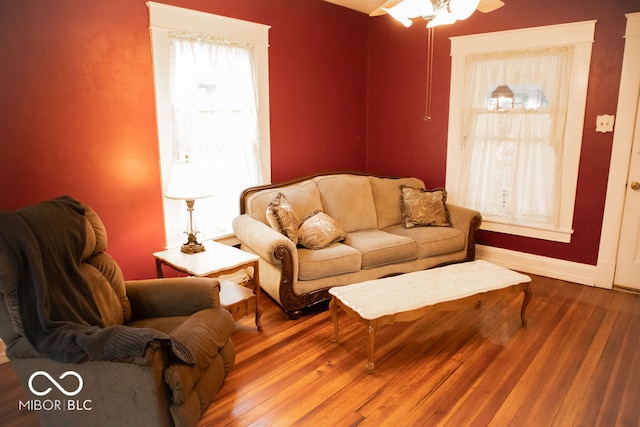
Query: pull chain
{"x": 430, "y": 33}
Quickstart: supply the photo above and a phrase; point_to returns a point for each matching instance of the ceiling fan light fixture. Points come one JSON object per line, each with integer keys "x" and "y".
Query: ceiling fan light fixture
{"x": 435, "y": 12}
{"x": 418, "y": 8}
{"x": 443, "y": 17}
{"x": 400, "y": 13}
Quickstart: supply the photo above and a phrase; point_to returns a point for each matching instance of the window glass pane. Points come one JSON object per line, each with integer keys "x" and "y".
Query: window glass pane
{"x": 512, "y": 153}
{"x": 211, "y": 74}
{"x": 526, "y": 97}
{"x": 215, "y": 121}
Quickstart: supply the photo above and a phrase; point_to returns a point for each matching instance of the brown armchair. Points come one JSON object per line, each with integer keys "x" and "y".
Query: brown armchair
{"x": 93, "y": 349}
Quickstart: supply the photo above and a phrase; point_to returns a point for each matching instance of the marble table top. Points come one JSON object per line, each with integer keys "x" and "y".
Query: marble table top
{"x": 373, "y": 299}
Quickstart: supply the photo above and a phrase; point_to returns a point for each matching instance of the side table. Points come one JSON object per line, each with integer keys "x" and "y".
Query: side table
{"x": 219, "y": 259}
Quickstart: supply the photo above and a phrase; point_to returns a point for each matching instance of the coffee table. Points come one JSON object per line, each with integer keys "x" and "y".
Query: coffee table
{"x": 410, "y": 296}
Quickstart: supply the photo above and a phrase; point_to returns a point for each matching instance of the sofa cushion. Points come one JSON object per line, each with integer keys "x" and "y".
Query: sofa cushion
{"x": 331, "y": 261}
{"x": 304, "y": 197}
{"x": 282, "y": 217}
{"x": 432, "y": 241}
{"x": 423, "y": 208}
{"x": 386, "y": 195}
{"x": 319, "y": 231}
{"x": 348, "y": 199}
{"x": 381, "y": 248}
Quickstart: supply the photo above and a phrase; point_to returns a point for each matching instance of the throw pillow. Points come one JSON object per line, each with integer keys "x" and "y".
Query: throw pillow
{"x": 319, "y": 231}
{"x": 423, "y": 208}
{"x": 282, "y": 217}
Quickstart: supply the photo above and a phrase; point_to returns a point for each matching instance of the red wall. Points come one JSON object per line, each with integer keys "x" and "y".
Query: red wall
{"x": 347, "y": 91}
{"x": 77, "y": 111}
{"x": 400, "y": 142}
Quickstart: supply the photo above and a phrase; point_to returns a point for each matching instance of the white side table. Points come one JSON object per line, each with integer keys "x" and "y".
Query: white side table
{"x": 215, "y": 261}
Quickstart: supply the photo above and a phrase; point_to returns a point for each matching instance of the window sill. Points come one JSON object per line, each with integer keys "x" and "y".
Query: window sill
{"x": 545, "y": 233}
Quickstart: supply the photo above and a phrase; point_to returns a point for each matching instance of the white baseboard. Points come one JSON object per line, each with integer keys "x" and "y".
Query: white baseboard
{"x": 583, "y": 274}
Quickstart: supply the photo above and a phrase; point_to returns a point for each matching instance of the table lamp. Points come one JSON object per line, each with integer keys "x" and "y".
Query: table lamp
{"x": 188, "y": 182}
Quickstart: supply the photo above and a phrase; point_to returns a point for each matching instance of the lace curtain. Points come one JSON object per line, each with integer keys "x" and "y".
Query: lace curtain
{"x": 214, "y": 108}
{"x": 512, "y": 159}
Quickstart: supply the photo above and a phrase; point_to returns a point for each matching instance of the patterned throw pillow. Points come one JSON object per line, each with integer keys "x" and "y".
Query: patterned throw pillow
{"x": 282, "y": 217}
{"x": 423, "y": 208}
{"x": 319, "y": 231}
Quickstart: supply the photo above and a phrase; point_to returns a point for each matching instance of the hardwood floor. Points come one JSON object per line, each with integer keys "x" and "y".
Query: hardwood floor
{"x": 576, "y": 363}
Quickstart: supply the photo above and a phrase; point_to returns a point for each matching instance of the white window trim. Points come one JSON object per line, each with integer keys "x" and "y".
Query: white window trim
{"x": 626, "y": 113}
{"x": 578, "y": 34}
{"x": 163, "y": 19}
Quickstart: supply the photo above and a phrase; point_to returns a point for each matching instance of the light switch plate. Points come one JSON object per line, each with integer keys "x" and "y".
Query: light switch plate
{"x": 604, "y": 123}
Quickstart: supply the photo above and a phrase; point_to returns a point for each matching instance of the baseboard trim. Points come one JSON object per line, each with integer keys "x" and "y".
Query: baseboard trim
{"x": 570, "y": 271}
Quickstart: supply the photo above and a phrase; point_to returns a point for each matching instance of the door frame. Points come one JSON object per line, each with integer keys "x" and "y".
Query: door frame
{"x": 620, "y": 154}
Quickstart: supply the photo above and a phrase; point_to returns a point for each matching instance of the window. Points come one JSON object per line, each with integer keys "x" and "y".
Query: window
{"x": 515, "y": 126}
{"x": 212, "y": 106}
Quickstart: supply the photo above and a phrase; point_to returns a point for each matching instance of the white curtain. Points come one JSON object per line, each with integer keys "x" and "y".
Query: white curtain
{"x": 511, "y": 169}
{"x": 214, "y": 107}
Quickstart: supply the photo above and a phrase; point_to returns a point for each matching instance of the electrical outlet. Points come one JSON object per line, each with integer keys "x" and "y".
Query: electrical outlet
{"x": 604, "y": 123}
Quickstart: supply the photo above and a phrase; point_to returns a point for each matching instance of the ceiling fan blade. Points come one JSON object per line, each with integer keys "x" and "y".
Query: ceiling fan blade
{"x": 387, "y": 4}
{"x": 487, "y": 6}
{"x": 364, "y": 6}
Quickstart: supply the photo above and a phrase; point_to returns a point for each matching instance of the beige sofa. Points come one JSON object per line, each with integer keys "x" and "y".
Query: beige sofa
{"x": 375, "y": 244}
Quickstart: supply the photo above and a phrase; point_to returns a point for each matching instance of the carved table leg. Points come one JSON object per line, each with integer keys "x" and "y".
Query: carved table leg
{"x": 159, "y": 272}
{"x": 256, "y": 291}
{"x": 528, "y": 293}
{"x": 371, "y": 341}
{"x": 333, "y": 309}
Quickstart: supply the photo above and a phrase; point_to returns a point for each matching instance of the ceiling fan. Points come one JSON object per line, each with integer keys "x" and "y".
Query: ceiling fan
{"x": 431, "y": 8}
{"x": 435, "y": 12}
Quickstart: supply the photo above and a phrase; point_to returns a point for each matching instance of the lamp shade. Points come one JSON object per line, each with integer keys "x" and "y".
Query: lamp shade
{"x": 188, "y": 181}
{"x": 502, "y": 91}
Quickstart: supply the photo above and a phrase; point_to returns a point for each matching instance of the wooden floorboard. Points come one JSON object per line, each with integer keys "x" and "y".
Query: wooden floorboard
{"x": 577, "y": 362}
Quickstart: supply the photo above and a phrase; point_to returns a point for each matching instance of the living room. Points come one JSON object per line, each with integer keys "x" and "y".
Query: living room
{"x": 347, "y": 91}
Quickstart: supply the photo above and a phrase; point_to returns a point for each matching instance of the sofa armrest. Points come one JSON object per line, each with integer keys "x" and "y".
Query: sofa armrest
{"x": 205, "y": 334}
{"x": 462, "y": 217}
{"x": 179, "y": 296}
{"x": 263, "y": 240}
{"x": 468, "y": 221}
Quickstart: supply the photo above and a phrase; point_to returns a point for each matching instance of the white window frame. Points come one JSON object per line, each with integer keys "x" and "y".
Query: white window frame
{"x": 162, "y": 20}
{"x": 578, "y": 34}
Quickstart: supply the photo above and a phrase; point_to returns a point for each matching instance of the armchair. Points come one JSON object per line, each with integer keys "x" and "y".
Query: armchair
{"x": 93, "y": 349}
